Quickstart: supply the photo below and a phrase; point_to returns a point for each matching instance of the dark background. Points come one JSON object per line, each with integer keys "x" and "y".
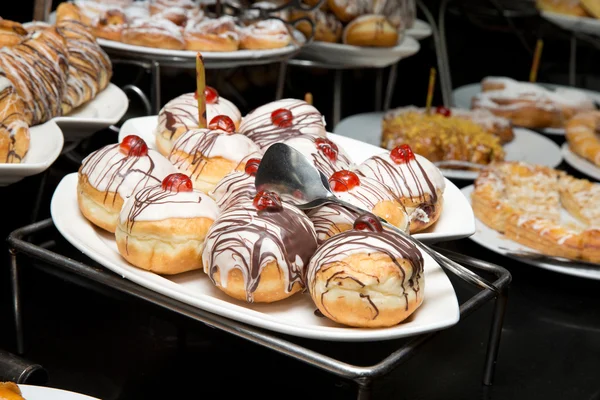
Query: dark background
{"x": 114, "y": 348}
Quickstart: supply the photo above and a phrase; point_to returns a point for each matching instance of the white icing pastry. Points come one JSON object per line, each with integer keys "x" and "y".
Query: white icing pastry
{"x": 307, "y": 146}
{"x": 235, "y": 187}
{"x": 213, "y": 143}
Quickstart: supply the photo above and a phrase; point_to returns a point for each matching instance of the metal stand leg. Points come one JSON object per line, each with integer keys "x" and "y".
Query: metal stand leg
{"x": 337, "y": 96}
{"x": 389, "y": 91}
{"x": 137, "y": 91}
{"x": 155, "y": 90}
{"x": 494, "y": 340}
{"x": 364, "y": 389}
{"x": 378, "y": 88}
{"x": 40, "y": 194}
{"x": 14, "y": 279}
{"x": 573, "y": 62}
{"x": 281, "y": 80}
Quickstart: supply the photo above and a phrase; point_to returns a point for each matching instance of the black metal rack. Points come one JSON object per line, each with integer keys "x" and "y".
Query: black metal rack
{"x": 21, "y": 243}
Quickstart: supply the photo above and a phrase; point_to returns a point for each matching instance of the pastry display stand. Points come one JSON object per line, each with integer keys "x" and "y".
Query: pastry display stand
{"x": 37, "y": 241}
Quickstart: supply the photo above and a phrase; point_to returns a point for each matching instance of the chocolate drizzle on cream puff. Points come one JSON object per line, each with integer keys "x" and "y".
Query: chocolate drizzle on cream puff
{"x": 325, "y": 154}
{"x": 246, "y": 239}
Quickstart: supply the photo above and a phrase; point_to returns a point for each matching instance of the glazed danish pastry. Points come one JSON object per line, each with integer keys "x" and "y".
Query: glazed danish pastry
{"x": 367, "y": 277}
{"x": 212, "y": 34}
{"x": 14, "y": 130}
{"x": 266, "y": 34}
{"x": 160, "y": 33}
{"x": 582, "y": 134}
{"x": 258, "y": 250}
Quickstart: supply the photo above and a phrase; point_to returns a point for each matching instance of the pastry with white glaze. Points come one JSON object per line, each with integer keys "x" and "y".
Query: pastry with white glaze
{"x": 237, "y": 186}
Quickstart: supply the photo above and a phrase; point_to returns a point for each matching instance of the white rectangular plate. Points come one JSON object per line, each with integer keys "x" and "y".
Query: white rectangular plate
{"x": 498, "y": 243}
{"x": 456, "y": 222}
{"x": 293, "y": 316}
{"x": 104, "y": 110}
{"x": 46, "y": 143}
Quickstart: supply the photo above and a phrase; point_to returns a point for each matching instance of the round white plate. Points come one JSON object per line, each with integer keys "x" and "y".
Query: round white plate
{"x": 45, "y": 393}
{"x": 527, "y": 146}
{"x": 420, "y": 30}
{"x": 457, "y": 223}
{"x": 104, "y": 110}
{"x": 572, "y": 23}
{"x": 46, "y": 143}
{"x": 497, "y": 242}
{"x": 347, "y": 55}
{"x": 293, "y": 316}
{"x": 579, "y": 163}
{"x": 464, "y": 94}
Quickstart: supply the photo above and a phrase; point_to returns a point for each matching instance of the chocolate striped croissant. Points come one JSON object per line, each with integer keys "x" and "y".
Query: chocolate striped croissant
{"x": 14, "y": 131}
{"x": 38, "y": 69}
{"x": 90, "y": 69}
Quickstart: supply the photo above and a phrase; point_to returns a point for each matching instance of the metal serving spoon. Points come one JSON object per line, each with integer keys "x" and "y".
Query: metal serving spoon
{"x": 289, "y": 173}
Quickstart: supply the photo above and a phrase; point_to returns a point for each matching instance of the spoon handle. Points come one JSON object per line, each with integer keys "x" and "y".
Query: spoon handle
{"x": 457, "y": 269}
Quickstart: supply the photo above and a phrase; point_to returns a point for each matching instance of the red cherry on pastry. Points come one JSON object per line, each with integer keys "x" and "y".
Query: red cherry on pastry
{"x": 133, "y": 146}
{"x": 368, "y": 222}
{"x": 222, "y": 122}
{"x": 328, "y": 148}
{"x": 211, "y": 94}
{"x": 282, "y": 117}
{"x": 252, "y": 166}
{"x": 177, "y": 183}
{"x": 402, "y": 154}
{"x": 344, "y": 180}
{"x": 443, "y": 111}
{"x": 269, "y": 201}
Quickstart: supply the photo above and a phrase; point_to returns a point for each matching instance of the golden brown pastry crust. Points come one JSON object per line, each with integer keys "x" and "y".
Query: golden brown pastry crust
{"x": 370, "y": 31}
{"x": 592, "y": 7}
{"x": 10, "y": 391}
{"x": 100, "y": 208}
{"x": 11, "y": 33}
{"x": 566, "y": 7}
{"x": 327, "y": 27}
{"x": 14, "y": 130}
{"x": 582, "y": 133}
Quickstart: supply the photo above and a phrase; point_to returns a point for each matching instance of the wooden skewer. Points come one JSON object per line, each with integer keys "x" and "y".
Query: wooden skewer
{"x": 308, "y": 97}
{"x": 200, "y": 86}
{"x": 430, "y": 89}
{"x": 535, "y": 66}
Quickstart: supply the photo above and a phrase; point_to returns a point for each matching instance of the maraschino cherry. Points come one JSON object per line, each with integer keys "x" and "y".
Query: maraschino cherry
{"x": 402, "y": 154}
{"x": 222, "y": 122}
{"x": 268, "y": 201}
{"x": 133, "y": 146}
{"x": 210, "y": 94}
{"x": 328, "y": 148}
{"x": 282, "y": 117}
{"x": 344, "y": 180}
{"x": 443, "y": 111}
{"x": 368, "y": 222}
{"x": 252, "y": 166}
{"x": 177, "y": 183}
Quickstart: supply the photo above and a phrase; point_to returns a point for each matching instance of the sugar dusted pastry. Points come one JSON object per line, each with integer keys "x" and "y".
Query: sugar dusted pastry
{"x": 327, "y": 156}
{"x": 181, "y": 114}
{"x": 162, "y": 227}
{"x": 237, "y": 186}
{"x": 366, "y": 193}
{"x": 266, "y": 34}
{"x": 415, "y": 180}
{"x": 109, "y": 176}
{"x": 367, "y": 277}
{"x": 258, "y": 250}
{"x": 281, "y": 120}
{"x": 208, "y": 155}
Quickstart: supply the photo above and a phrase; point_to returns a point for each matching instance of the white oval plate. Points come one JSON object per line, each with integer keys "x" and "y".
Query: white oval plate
{"x": 455, "y": 223}
{"x": 575, "y": 24}
{"x": 579, "y": 163}
{"x": 46, "y": 143}
{"x": 293, "y": 316}
{"x": 498, "y": 243}
{"x": 104, "y": 110}
{"x": 45, "y": 393}
{"x": 527, "y": 146}
{"x": 420, "y": 30}
{"x": 375, "y": 57}
{"x": 464, "y": 94}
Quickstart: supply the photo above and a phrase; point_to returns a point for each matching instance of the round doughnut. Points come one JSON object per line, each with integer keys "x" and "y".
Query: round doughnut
{"x": 281, "y": 120}
{"x": 181, "y": 114}
{"x": 109, "y": 176}
{"x": 162, "y": 228}
{"x": 367, "y": 277}
{"x": 212, "y": 34}
{"x": 266, "y": 34}
{"x": 370, "y": 31}
{"x": 208, "y": 155}
{"x": 237, "y": 186}
{"x": 327, "y": 156}
{"x": 258, "y": 250}
{"x": 415, "y": 180}
{"x": 159, "y": 33}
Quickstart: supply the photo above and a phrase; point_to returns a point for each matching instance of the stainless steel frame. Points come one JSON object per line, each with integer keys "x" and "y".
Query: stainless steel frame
{"x": 364, "y": 376}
